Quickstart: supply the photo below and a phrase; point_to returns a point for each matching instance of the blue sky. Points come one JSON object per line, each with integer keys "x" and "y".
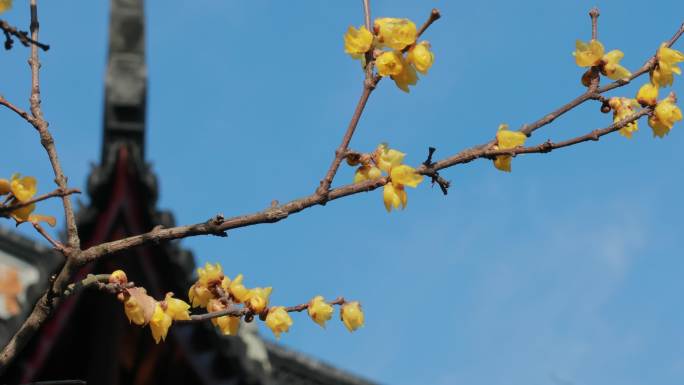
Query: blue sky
{"x": 566, "y": 271}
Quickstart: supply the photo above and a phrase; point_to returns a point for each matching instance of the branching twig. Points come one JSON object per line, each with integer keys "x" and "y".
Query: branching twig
{"x": 23, "y": 37}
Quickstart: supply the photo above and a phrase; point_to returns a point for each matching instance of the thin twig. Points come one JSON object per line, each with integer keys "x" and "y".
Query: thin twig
{"x": 594, "y": 14}
{"x": 23, "y": 37}
{"x": 23, "y": 114}
{"x": 367, "y": 14}
{"x": 55, "y": 193}
{"x": 56, "y": 244}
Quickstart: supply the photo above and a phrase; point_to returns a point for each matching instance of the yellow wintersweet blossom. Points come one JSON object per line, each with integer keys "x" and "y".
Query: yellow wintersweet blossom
{"x": 177, "y": 309}
{"x": 199, "y": 295}
{"x": 366, "y": 172}
{"x": 257, "y": 299}
{"x": 238, "y": 290}
{"x": 278, "y": 320}
{"x": 389, "y": 63}
{"x": 622, "y": 108}
{"x": 228, "y": 325}
{"x": 610, "y": 65}
{"x": 393, "y": 196}
{"x": 668, "y": 58}
{"x": 25, "y": 214}
{"x": 352, "y": 315}
{"x": 647, "y": 95}
{"x": 505, "y": 140}
{"x": 357, "y": 41}
{"x": 5, "y": 5}
{"x": 160, "y": 324}
{"x": 588, "y": 54}
{"x": 134, "y": 311}
{"x": 23, "y": 188}
{"x": 209, "y": 274}
{"x": 407, "y": 77}
{"x": 395, "y": 33}
{"x": 386, "y": 157}
{"x": 666, "y": 114}
{"x": 319, "y": 310}
{"x": 405, "y": 175}
{"x": 421, "y": 57}
{"x": 5, "y": 186}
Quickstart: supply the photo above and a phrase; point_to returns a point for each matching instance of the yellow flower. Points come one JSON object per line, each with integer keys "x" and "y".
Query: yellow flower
{"x": 257, "y": 299}
{"x": 177, "y": 309}
{"x": 210, "y": 274}
{"x": 421, "y": 57}
{"x": 395, "y": 33}
{"x": 367, "y": 172}
{"x": 666, "y": 114}
{"x": 134, "y": 312}
{"x": 386, "y": 158}
{"x": 405, "y": 175}
{"x": 5, "y": 186}
{"x": 199, "y": 295}
{"x": 357, "y": 41}
{"x": 278, "y": 320}
{"x": 319, "y": 310}
{"x": 5, "y": 5}
{"x": 588, "y": 54}
{"x": 393, "y": 196}
{"x": 389, "y": 63}
{"x": 227, "y": 324}
{"x": 25, "y": 214}
{"x": 238, "y": 290}
{"x": 610, "y": 65}
{"x": 352, "y": 316}
{"x": 407, "y": 76}
{"x": 647, "y": 95}
{"x": 623, "y": 108}
{"x": 160, "y": 324}
{"x": 505, "y": 140}
{"x": 23, "y": 188}
{"x": 668, "y": 58}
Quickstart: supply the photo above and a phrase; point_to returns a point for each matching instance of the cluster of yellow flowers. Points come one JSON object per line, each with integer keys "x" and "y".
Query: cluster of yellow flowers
{"x": 215, "y": 292}
{"x": 404, "y": 56}
{"x": 5, "y": 5}
{"x": 506, "y": 140}
{"x": 665, "y": 113}
{"x": 21, "y": 190}
{"x": 141, "y": 309}
{"x": 388, "y": 160}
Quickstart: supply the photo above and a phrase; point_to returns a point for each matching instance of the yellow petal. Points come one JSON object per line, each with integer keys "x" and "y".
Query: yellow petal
{"x": 509, "y": 139}
{"x": 159, "y": 324}
{"x": 37, "y": 218}
{"x": 278, "y": 320}
{"x": 177, "y": 309}
{"x": 389, "y": 63}
{"x": 319, "y": 310}
{"x": 395, "y": 33}
{"x": 257, "y": 299}
{"x": 587, "y": 55}
{"x": 503, "y": 163}
{"x": 407, "y": 77}
{"x": 421, "y": 57}
{"x": 352, "y": 316}
{"x": 5, "y": 187}
{"x": 391, "y": 196}
{"x": 647, "y": 95}
{"x": 386, "y": 158}
{"x": 357, "y": 41}
{"x": 5, "y": 5}
{"x": 238, "y": 290}
{"x": 23, "y": 188}
{"x": 405, "y": 175}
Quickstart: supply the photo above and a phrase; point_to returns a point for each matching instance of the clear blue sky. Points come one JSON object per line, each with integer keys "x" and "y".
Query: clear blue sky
{"x": 567, "y": 271}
